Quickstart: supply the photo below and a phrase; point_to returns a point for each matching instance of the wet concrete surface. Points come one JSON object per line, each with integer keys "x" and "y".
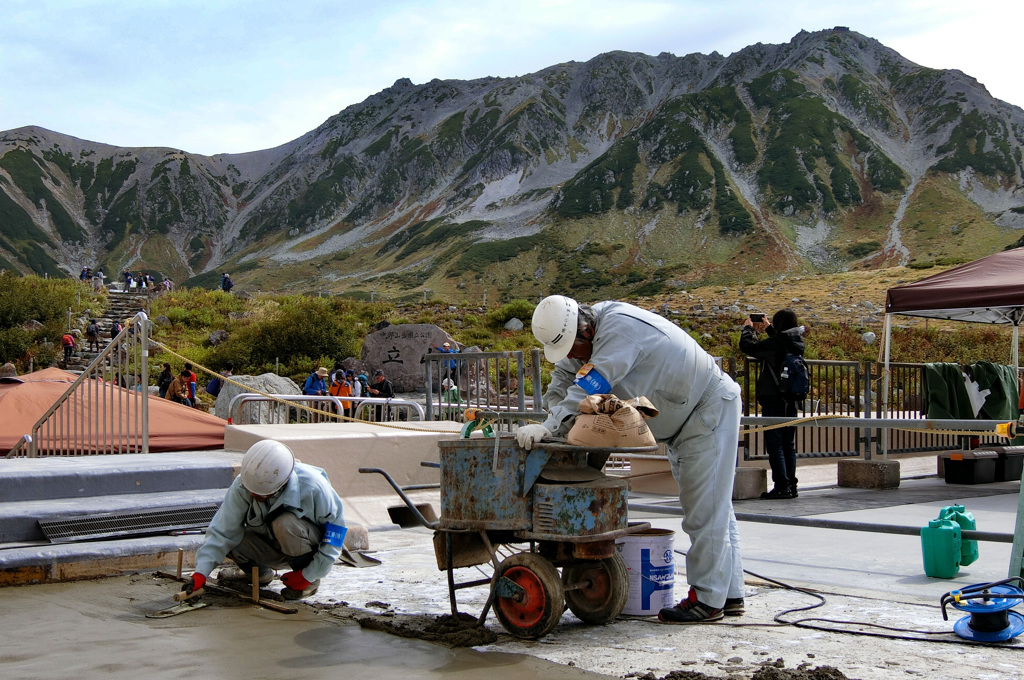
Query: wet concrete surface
{"x": 98, "y": 629}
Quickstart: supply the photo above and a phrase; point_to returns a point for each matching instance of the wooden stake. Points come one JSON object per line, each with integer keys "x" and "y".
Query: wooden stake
{"x": 181, "y": 554}
{"x": 256, "y": 585}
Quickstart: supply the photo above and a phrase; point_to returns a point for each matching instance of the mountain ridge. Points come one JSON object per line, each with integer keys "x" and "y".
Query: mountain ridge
{"x": 625, "y": 171}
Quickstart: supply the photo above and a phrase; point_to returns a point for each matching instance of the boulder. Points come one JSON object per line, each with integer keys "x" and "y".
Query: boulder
{"x": 399, "y": 349}
{"x": 268, "y": 383}
{"x": 513, "y": 324}
{"x": 163, "y": 320}
{"x": 217, "y": 337}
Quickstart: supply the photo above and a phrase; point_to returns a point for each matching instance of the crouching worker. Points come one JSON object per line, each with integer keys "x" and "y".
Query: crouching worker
{"x": 278, "y": 514}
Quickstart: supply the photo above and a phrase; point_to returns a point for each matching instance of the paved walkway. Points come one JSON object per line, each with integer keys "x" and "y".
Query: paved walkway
{"x": 98, "y": 629}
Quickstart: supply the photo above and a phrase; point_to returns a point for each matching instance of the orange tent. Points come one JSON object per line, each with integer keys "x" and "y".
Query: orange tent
{"x": 98, "y": 412}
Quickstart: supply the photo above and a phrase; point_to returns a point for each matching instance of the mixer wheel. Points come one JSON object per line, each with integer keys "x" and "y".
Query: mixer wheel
{"x": 538, "y": 608}
{"x": 603, "y": 588}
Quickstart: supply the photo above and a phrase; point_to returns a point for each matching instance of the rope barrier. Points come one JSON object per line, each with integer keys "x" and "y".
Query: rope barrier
{"x": 341, "y": 418}
{"x": 310, "y": 409}
{"x": 806, "y": 419}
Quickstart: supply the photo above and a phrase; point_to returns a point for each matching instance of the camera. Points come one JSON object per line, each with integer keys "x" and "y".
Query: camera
{"x": 757, "y": 318}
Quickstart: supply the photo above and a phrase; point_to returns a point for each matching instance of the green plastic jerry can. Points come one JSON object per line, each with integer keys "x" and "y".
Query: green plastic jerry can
{"x": 940, "y": 544}
{"x": 959, "y": 514}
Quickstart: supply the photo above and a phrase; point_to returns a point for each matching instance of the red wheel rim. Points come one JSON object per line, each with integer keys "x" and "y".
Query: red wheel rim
{"x": 530, "y": 611}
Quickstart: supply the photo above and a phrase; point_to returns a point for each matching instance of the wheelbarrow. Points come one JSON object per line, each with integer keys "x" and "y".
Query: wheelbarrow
{"x": 556, "y": 500}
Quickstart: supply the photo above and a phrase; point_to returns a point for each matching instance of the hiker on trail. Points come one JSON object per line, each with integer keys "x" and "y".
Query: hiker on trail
{"x": 216, "y": 383}
{"x": 92, "y": 335}
{"x": 785, "y": 336}
{"x": 225, "y": 282}
{"x": 164, "y": 380}
{"x": 448, "y": 365}
{"x": 357, "y": 391}
{"x": 277, "y": 514}
{"x": 177, "y": 391}
{"x": 634, "y": 353}
{"x": 68, "y": 341}
{"x": 383, "y": 389}
{"x": 316, "y": 383}
{"x": 191, "y": 385}
{"x": 450, "y": 400}
{"x": 341, "y": 387}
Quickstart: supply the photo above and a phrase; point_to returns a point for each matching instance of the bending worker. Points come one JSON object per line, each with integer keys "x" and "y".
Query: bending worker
{"x": 638, "y": 353}
{"x": 278, "y": 514}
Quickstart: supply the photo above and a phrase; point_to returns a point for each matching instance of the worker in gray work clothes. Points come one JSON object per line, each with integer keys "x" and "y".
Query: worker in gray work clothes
{"x": 630, "y": 352}
{"x": 278, "y": 514}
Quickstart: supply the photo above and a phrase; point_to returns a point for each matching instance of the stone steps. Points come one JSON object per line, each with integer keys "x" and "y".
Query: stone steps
{"x": 127, "y": 488}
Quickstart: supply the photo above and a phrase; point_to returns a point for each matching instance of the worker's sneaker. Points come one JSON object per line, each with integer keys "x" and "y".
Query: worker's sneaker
{"x": 734, "y": 607}
{"x": 234, "y": 573}
{"x": 690, "y": 611}
{"x": 292, "y": 594}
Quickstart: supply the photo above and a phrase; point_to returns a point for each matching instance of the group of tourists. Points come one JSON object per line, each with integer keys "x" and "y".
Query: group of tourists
{"x": 344, "y": 382}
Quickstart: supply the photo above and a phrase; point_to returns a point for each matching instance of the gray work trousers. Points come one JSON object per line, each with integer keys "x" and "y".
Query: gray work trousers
{"x": 703, "y": 459}
{"x": 291, "y": 543}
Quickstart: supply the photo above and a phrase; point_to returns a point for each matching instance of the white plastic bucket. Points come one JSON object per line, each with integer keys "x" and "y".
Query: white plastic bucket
{"x": 652, "y": 570}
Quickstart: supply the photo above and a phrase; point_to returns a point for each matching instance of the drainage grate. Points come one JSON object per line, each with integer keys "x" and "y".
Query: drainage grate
{"x": 108, "y": 524}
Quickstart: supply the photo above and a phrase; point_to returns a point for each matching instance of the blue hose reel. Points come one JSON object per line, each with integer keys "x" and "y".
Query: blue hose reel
{"x": 990, "y": 606}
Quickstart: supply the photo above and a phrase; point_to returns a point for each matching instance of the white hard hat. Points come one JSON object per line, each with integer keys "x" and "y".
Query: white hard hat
{"x": 266, "y": 467}
{"x": 554, "y": 325}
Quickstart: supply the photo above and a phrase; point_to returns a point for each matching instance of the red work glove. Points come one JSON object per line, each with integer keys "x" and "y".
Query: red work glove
{"x": 295, "y": 580}
{"x": 193, "y": 584}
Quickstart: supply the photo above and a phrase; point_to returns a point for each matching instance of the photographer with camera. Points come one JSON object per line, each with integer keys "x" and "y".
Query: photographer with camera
{"x": 785, "y": 336}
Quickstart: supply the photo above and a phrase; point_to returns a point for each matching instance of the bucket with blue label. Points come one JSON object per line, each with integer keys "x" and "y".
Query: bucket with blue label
{"x": 591, "y": 381}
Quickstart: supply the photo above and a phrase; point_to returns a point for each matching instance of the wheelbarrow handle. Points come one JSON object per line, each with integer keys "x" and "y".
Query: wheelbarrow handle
{"x": 398, "y": 489}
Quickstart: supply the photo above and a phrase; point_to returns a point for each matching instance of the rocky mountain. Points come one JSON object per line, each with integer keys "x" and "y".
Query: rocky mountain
{"x": 625, "y": 174}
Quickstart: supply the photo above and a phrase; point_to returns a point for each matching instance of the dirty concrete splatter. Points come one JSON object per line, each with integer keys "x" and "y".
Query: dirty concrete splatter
{"x": 451, "y": 631}
{"x": 769, "y": 670}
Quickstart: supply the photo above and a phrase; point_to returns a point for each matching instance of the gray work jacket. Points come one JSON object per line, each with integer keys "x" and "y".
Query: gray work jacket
{"x": 640, "y": 354}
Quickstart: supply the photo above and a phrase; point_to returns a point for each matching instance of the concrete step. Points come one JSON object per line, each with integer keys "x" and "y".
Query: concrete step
{"x": 50, "y": 478}
{"x": 45, "y": 562}
{"x": 19, "y": 520}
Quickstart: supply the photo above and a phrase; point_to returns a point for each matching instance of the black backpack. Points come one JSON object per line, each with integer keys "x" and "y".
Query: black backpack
{"x": 213, "y": 387}
{"x": 92, "y": 329}
{"x": 794, "y": 379}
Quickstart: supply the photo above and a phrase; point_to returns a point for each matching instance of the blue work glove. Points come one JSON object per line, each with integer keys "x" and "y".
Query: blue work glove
{"x": 528, "y": 434}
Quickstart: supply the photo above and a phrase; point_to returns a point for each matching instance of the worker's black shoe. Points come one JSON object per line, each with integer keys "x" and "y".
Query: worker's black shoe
{"x": 734, "y": 607}
{"x": 292, "y": 594}
{"x": 233, "y": 573}
{"x": 792, "y": 491}
{"x": 690, "y": 611}
{"x": 779, "y": 492}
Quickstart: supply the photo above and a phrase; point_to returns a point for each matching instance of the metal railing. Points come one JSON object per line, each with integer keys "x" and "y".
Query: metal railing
{"x": 106, "y": 409}
{"x": 850, "y": 388}
{"x": 23, "y": 443}
{"x": 495, "y": 382}
{"x": 278, "y": 409}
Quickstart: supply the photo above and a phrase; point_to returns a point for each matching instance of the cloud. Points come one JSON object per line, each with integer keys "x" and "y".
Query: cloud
{"x": 236, "y": 75}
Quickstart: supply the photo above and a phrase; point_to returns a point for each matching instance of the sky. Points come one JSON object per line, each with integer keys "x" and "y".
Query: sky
{"x": 226, "y": 76}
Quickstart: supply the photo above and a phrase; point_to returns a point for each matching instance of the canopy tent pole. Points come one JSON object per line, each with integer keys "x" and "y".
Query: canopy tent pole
{"x": 1014, "y": 351}
{"x": 885, "y": 387}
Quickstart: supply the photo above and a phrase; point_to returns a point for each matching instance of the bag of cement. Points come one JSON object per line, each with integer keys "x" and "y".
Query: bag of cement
{"x": 606, "y": 420}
